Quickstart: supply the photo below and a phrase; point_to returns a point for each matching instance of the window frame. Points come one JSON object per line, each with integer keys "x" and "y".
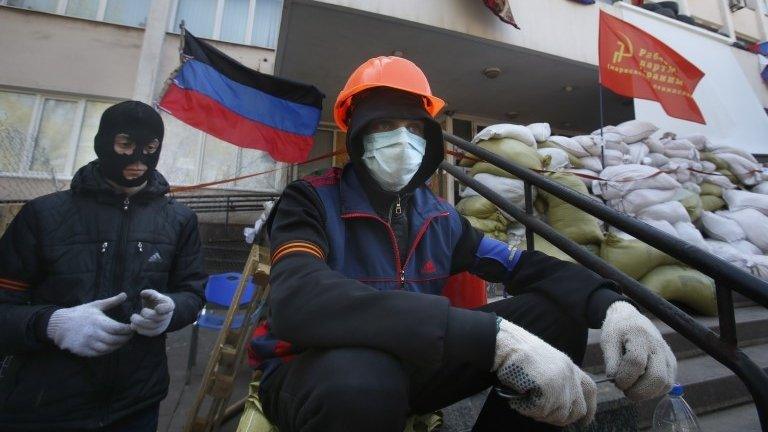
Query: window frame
{"x": 101, "y": 12}
{"x": 219, "y": 17}
{"x": 33, "y": 130}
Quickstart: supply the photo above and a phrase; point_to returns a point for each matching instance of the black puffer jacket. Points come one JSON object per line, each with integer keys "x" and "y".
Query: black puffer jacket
{"x": 73, "y": 247}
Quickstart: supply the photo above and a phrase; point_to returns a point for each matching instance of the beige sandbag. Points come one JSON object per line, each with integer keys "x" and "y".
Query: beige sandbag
{"x": 729, "y": 175}
{"x": 514, "y": 151}
{"x": 711, "y": 203}
{"x": 489, "y": 225}
{"x": 573, "y": 160}
{"x": 633, "y": 257}
{"x": 476, "y": 206}
{"x": 711, "y": 189}
{"x": 544, "y": 246}
{"x": 568, "y": 220}
{"x": 468, "y": 160}
{"x": 710, "y": 157}
{"x": 691, "y": 202}
{"x": 683, "y": 285}
{"x": 488, "y": 168}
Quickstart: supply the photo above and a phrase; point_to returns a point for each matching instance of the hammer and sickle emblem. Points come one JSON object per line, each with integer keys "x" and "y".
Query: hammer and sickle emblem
{"x": 625, "y": 49}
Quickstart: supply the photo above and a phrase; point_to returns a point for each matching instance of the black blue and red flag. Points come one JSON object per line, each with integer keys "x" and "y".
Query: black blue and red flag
{"x": 220, "y": 96}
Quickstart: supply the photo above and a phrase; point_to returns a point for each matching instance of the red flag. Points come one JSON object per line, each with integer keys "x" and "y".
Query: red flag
{"x": 635, "y": 64}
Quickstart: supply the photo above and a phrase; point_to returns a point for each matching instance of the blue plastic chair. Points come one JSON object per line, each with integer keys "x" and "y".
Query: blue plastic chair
{"x": 220, "y": 291}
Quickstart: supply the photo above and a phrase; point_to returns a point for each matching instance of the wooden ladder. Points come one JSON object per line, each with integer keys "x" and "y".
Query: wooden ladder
{"x": 229, "y": 350}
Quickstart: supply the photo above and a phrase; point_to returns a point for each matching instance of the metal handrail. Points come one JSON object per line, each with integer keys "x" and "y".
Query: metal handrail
{"x": 722, "y": 348}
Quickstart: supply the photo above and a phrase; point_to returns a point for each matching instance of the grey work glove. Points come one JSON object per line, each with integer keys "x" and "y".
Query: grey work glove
{"x": 636, "y": 354}
{"x": 86, "y": 331}
{"x": 155, "y": 315}
{"x": 556, "y": 390}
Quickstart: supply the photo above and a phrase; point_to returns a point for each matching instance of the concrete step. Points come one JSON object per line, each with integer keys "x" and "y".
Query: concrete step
{"x": 751, "y": 329}
{"x": 709, "y": 386}
{"x": 742, "y": 418}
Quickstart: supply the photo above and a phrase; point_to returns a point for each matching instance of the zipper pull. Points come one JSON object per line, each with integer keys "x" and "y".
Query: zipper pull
{"x": 141, "y": 247}
{"x": 125, "y": 203}
{"x": 402, "y": 277}
{"x": 104, "y": 247}
{"x": 398, "y": 207}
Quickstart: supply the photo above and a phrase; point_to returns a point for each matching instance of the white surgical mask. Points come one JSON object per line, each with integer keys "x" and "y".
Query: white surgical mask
{"x": 393, "y": 157}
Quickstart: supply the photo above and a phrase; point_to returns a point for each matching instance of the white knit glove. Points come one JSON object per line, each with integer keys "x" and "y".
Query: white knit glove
{"x": 86, "y": 331}
{"x": 155, "y": 315}
{"x": 556, "y": 390}
{"x": 635, "y": 353}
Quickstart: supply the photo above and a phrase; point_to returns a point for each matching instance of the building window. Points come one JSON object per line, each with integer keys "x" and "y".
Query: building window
{"x": 48, "y": 136}
{"x": 126, "y": 12}
{"x": 250, "y": 22}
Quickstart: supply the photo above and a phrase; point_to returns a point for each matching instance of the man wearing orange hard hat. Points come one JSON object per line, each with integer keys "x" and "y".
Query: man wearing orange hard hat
{"x": 360, "y": 336}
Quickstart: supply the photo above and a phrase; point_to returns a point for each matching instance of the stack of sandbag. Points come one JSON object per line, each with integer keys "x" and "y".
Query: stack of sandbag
{"x": 711, "y": 197}
{"x": 514, "y": 143}
{"x": 632, "y": 188}
{"x": 737, "y": 165}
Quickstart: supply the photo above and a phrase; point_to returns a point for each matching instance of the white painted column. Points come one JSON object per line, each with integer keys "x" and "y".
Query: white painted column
{"x": 151, "y": 50}
{"x": 762, "y": 20}
{"x": 728, "y": 29}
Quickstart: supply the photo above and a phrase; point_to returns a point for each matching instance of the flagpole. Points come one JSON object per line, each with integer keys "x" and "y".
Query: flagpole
{"x": 183, "y": 35}
{"x": 602, "y": 121}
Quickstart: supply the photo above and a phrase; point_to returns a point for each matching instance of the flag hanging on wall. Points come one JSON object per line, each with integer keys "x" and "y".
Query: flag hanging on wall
{"x": 218, "y": 95}
{"x": 501, "y": 9}
{"x": 635, "y": 64}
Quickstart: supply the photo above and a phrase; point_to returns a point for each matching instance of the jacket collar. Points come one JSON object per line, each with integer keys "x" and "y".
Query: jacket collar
{"x": 355, "y": 201}
{"x": 88, "y": 180}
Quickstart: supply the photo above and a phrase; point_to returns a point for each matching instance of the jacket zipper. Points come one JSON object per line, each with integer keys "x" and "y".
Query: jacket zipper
{"x": 422, "y": 230}
{"x": 117, "y": 285}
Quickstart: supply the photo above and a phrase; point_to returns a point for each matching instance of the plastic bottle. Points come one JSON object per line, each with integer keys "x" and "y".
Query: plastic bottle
{"x": 673, "y": 414}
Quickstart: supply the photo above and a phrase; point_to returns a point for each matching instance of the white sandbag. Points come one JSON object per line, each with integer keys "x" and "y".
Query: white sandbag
{"x": 719, "y": 180}
{"x": 558, "y": 158}
{"x": 637, "y": 152}
{"x": 728, "y": 253}
{"x": 625, "y": 178}
{"x": 589, "y": 144}
{"x": 748, "y": 172}
{"x": 620, "y": 146}
{"x": 680, "y": 149}
{"x": 606, "y": 130}
{"x": 512, "y": 190}
{"x": 584, "y": 172}
{"x": 635, "y": 131}
{"x": 718, "y": 227}
{"x": 758, "y": 265}
{"x": 591, "y": 163}
{"x": 745, "y": 154}
{"x": 639, "y": 199}
{"x": 468, "y": 192}
{"x": 614, "y": 157}
{"x": 753, "y": 223}
{"x": 738, "y": 200}
{"x": 701, "y": 142}
{"x": 663, "y": 226}
{"x": 762, "y": 188}
{"x": 568, "y": 144}
{"x": 708, "y": 166}
{"x": 671, "y": 211}
{"x": 654, "y": 145}
{"x": 746, "y": 247}
{"x": 658, "y": 160}
{"x": 693, "y": 187}
{"x": 686, "y": 231}
{"x": 506, "y": 130}
{"x": 540, "y": 131}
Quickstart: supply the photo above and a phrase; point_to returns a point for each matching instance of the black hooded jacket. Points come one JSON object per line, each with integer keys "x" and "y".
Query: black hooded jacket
{"x": 313, "y": 306}
{"x": 73, "y": 247}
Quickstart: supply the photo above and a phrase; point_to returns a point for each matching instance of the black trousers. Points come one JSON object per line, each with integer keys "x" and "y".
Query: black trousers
{"x": 353, "y": 389}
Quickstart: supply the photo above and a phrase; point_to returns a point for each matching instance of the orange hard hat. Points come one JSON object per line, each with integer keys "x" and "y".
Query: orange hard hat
{"x": 395, "y": 72}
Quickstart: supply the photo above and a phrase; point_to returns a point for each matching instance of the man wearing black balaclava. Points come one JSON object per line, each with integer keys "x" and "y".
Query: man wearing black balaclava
{"x": 363, "y": 334}
{"x": 91, "y": 279}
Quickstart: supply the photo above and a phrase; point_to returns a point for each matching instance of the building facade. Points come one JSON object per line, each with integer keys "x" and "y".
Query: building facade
{"x": 64, "y": 61}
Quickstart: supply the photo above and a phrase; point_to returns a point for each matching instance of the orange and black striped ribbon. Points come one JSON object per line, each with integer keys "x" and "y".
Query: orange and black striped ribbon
{"x": 13, "y": 285}
{"x": 296, "y": 247}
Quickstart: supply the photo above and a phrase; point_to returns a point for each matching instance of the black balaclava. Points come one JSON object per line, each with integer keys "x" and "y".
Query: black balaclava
{"x": 388, "y": 103}
{"x": 143, "y": 125}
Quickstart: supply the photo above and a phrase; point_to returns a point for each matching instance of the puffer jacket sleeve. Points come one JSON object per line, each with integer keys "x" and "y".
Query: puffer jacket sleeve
{"x": 187, "y": 280}
{"x": 580, "y": 292}
{"x": 19, "y": 271}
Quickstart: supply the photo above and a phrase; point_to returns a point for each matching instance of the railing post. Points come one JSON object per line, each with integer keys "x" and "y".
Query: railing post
{"x": 226, "y": 218}
{"x": 529, "y": 243}
{"x": 725, "y": 315}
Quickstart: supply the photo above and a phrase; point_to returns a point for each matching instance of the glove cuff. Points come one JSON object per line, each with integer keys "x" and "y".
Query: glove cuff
{"x": 620, "y": 308}
{"x": 511, "y": 339}
{"x": 55, "y": 322}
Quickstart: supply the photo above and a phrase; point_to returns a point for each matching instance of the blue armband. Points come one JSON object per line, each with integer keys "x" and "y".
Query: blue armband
{"x": 498, "y": 251}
